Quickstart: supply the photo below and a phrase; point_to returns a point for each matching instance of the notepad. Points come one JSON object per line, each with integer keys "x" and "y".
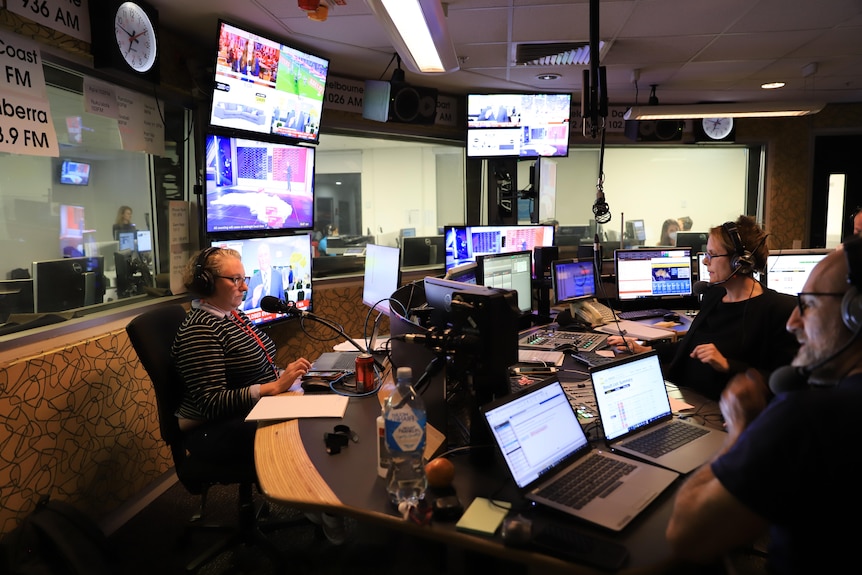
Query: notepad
{"x": 293, "y": 406}
{"x": 483, "y": 517}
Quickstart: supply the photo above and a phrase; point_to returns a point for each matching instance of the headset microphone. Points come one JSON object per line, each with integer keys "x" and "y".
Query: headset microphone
{"x": 700, "y": 287}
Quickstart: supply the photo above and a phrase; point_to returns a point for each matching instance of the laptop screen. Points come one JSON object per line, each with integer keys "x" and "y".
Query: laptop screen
{"x": 630, "y": 394}
{"x": 536, "y": 430}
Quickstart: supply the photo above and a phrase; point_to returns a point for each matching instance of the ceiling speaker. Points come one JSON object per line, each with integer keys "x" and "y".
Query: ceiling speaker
{"x": 654, "y": 130}
{"x": 412, "y": 104}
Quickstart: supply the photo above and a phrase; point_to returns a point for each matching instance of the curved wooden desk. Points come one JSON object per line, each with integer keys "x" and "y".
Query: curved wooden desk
{"x": 294, "y": 469}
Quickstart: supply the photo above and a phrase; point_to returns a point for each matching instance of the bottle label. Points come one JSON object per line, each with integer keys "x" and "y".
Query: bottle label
{"x": 405, "y": 430}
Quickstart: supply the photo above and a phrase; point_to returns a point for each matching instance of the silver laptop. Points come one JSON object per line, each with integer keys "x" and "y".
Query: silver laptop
{"x": 544, "y": 447}
{"x": 335, "y": 361}
{"x": 634, "y": 410}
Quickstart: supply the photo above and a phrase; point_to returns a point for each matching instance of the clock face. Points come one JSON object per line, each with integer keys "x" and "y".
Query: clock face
{"x": 136, "y": 36}
{"x": 717, "y": 128}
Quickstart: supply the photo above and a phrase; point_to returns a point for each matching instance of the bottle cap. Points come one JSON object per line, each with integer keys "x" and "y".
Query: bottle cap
{"x": 404, "y": 373}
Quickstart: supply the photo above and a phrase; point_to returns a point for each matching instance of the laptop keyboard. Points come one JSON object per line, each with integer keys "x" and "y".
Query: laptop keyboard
{"x": 665, "y": 439}
{"x": 598, "y": 476}
{"x": 550, "y": 340}
{"x": 639, "y": 314}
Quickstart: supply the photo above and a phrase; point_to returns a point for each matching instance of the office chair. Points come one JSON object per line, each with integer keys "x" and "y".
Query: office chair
{"x": 151, "y": 335}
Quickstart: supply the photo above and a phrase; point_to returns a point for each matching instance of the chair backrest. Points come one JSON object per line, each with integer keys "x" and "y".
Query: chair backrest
{"x": 152, "y": 334}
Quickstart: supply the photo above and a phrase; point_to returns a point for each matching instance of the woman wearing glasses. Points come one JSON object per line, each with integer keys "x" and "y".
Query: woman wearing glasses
{"x": 741, "y": 323}
{"x": 225, "y": 361}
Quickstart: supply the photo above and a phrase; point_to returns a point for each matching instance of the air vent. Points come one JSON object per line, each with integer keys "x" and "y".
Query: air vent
{"x": 555, "y": 54}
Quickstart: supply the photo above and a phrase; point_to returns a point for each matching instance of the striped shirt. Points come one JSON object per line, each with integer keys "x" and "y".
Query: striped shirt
{"x": 220, "y": 363}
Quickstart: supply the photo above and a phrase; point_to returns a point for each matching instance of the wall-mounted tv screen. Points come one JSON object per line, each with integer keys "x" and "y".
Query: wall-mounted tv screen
{"x": 253, "y": 185}
{"x": 465, "y": 243}
{"x": 266, "y": 87}
{"x": 74, "y": 173}
{"x": 518, "y": 125}
{"x": 279, "y": 266}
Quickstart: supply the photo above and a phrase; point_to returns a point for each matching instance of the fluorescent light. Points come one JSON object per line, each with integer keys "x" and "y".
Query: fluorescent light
{"x": 730, "y": 110}
{"x": 418, "y": 32}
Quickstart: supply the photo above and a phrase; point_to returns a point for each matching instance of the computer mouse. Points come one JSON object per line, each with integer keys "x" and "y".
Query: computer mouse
{"x": 674, "y": 317}
{"x": 517, "y": 530}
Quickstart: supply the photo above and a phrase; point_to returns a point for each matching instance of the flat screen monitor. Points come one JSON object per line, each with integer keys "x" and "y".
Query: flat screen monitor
{"x": 289, "y": 260}
{"x": 422, "y": 251}
{"x": 253, "y": 185}
{"x": 653, "y": 273}
{"x": 126, "y": 241}
{"x": 465, "y": 243}
{"x": 635, "y": 232}
{"x": 573, "y": 280}
{"x": 144, "y": 241}
{"x": 787, "y": 270}
{"x": 694, "y": 240}
{"x": 702, "y": 270}
{"x": 382, "y": 276}
{"x": 510, "y": 271}
{"x": 465, "y": 273}
{"x": 518, "y": 125}
{"x": 263, "y": 86}
{"x": 74, "y": 173}
{"x": 68, "y": 283}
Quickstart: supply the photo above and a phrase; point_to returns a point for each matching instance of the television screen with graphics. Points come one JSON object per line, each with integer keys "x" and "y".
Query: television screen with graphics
{"x": 266, "y": 87}
{"x": 518, "y": 125}
{"x": 254, "y": 185}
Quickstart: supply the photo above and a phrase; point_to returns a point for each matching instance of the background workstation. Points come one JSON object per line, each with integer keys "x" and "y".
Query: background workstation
{"x": 89, "y": 359}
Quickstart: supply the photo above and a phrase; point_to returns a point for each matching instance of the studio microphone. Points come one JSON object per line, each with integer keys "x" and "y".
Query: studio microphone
{"x": 272, "y": 304}
{"x": 601, "y": 210}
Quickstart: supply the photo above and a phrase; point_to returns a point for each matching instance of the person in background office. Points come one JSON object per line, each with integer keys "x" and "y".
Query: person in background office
{"x": 740, "y": 324}
{"x": 685, "y": 223}
{"x": 779, "y": 470}
{"x": 668, "y": 232}
{"x": 321, "y": 246}
{"x": 123, "y": 223}
{"x": 265, "y": 281}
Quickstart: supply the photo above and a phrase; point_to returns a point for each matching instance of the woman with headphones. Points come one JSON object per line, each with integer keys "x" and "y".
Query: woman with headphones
{"x": 227, "y": 364}
{"x": 741, "y": 323}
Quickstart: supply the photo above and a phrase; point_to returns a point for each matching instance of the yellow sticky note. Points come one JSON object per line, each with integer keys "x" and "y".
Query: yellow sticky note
{"x": 483, "y": 516}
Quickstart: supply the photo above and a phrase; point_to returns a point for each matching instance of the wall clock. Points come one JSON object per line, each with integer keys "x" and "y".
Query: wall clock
{"x": 714, "y": 130}
{"x": 125, "y": 36}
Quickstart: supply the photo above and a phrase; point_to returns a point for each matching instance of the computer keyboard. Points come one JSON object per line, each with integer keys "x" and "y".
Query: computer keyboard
{"x": 640, "y": 314}
{"x": 551, "y": 339}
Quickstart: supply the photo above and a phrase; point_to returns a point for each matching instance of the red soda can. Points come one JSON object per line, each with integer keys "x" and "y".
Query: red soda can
{"x": 364, "y": 372}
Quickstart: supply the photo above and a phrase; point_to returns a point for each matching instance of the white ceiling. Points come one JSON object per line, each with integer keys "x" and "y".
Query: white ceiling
{"x": 693, "y": 50}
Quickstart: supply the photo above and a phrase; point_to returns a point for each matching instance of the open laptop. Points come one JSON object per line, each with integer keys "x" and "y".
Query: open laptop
{"x": 544, "y": 447}
{"x": 335, "y": 361}
{"x": 633, "y": 402}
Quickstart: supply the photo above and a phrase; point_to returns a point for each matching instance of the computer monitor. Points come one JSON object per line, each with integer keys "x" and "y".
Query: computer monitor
{"x": 573, "y": 280}
{"x": 465, "y": 273}
{"x": 422, "y": 251}
{"x": 127, "y": 241}
{"x": 144, "y": 241}
{"x": 382, "y": 276}
{"x": 465, "y": 243}
{"x": 68, "y": 283}
{"x": 694, "y": 240}
{"x": 635, "y": 232}
{"x": 702, "y": 270}
{"x": 653, "y": 273}
{"x": 787, "y": 270}
{"x": 509, "y": 271}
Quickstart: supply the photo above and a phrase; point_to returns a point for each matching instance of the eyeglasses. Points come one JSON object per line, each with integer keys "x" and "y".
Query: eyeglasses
{"x": 707, "y": 257}
{"x": 237, "y": 281}
{"x": 803, "y": 306}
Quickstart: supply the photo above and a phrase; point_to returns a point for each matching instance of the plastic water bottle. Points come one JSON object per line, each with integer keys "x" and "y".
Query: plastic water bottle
{"x": 404, "y": 419}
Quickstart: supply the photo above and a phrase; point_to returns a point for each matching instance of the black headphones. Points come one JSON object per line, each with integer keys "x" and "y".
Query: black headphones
{"x": 851, "y": 305}
{"x": 742, "y": 259}
{"x": 203, "y": 282}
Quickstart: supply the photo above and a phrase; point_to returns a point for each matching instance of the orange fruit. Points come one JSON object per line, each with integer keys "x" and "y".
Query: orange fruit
{"x": 440, "y": 472}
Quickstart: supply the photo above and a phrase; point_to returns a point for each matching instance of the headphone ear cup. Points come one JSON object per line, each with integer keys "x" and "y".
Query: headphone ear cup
{"x": 205, "y": 283}
{"x": 744, "y": 262}
{"x": 851, "y": 309}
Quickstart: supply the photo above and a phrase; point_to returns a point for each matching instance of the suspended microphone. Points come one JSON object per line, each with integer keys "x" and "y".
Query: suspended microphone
{"x": 601, "y": 210}
{"x": 789, "y": 378}
{"x": 272, "y": 304}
